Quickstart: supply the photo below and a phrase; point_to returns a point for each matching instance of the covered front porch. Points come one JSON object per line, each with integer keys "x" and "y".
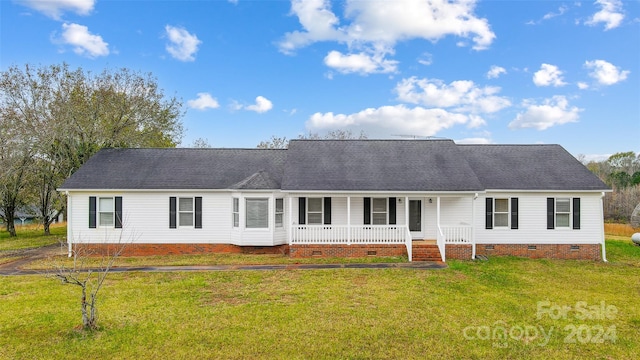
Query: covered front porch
{"x": 443, "y": 220}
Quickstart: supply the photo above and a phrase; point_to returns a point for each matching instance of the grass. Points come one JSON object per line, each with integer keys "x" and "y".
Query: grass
{"x": 457, "y": 312}
{"x": 620, "y": 229}
{"x": 32, "y": 236}
{"x": 212, "y": 259}
{"x": 341, "y": 313}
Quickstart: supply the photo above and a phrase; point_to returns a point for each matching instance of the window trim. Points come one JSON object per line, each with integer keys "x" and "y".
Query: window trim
{"x": 321, "y": 212}
{"x": 246, "y": 213}
{"x": 99, "y": 212}
{"x": 277, "y": 213}
{"x": 569, "y": 213}
{"x": 386, "y": 210}
{"x": 235, "y": 212}
{"x": 179, "y": 212}
{"x": 506, "y": 213}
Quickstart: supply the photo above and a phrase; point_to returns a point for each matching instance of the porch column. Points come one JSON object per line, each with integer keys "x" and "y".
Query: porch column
{"x": 438, "y": 213}
{"x": 290, "y": 234}
{"x": 406, "y": 211}
{"x": 348, "y": 219}
{"x": 473, "y": 226}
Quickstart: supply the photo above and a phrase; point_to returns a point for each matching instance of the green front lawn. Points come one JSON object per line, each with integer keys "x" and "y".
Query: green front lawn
{"x": 458, "y": 312}
{"x": 32, "y": 236}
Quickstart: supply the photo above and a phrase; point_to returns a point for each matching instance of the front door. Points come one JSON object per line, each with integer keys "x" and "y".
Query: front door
{"x": 415, "y": 219}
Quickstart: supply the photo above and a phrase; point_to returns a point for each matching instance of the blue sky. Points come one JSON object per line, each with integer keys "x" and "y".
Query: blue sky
{"x": 564, "y": 72}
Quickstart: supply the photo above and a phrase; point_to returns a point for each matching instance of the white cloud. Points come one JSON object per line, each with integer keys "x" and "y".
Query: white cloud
{"x": 204, "y": 101}
{"x": 83, "y": 42}
{"x": 561, "y": 10}
{"x": 610, "y": 14}
{"x": 548, "y": 75}
{"x": 552, "y": 112}
{"x": 182, "y": 45}
{"x": 359, "y": 63}
{"x": 388, "y": 120}
{"x": 374, "y": 27}
{"x": 426, "y": 59}
{"x": 461, "y": 95}
{"x": 582, "y": 85}
{"x": 605, "y": 72}
{"x": 55, "y": 8}
{"x": 262, "y": 105}
{"x": 318, "y": 22}
{"x": 495, "y": 72}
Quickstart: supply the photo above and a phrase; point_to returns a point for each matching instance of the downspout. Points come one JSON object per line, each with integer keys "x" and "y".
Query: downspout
{"x": 69, "y": 224}
{"x": 604, "y": 251}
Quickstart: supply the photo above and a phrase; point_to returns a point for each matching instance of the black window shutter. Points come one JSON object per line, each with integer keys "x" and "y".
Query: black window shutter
{"x": 576, "y": 213}
{"x": 551, "y": 213}
{"x": 118, "y": 205}
{"x": 198, "y": 222}
{"x": 392, "y": 211}
{"x": 327, "y": 211}
{"x": 514, "y": 213}
{"x": 172, "y": 212}
{"x": 367, "y": 211}
{"x": 92, "y": 212}
{"x": 489, "y": 214}
{"x": 302, "y": 208}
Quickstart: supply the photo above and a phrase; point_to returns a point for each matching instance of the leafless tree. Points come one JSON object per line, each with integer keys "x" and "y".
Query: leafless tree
{"x": 282, "y": 143}
{"x": 200, "y": 143}
{"x": 88, "y": 275}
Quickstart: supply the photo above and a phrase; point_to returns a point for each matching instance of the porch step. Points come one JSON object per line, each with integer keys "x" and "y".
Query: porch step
{"x": 425, "y": 252}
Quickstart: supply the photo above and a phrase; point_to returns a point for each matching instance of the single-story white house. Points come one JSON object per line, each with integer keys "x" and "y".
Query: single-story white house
{"x": 428, "y": 199}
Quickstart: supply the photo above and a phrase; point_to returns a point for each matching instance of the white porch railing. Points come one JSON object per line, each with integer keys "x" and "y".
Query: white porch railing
{"x": 458, "y": 234}
{"x": 345, "y": 234}
{"x": 454, "y": 234}
{"x": 354, "y": 234}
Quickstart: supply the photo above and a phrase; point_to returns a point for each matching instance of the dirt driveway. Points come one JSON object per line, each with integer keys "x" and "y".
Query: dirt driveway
{"x": 16, "y": 259}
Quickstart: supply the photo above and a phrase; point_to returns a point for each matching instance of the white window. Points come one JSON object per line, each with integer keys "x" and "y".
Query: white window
{"x": 501, "y": 213}
{"x": 379, "y": 211}
{"x": 563, "y": 212}
{"x": 185, "y": 211}
{"x": 314, "y": 211}
{"x": 236, "y": 212}
{"x": 106, "y": 212}
{"x": 279, "y": 215}
{"x": 257, "y": 213}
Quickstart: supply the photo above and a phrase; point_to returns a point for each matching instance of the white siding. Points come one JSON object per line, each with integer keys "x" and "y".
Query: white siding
{"x": 146, "y": 220}
{"x": 455, "y": 211}
{"x": 532, "y": 221}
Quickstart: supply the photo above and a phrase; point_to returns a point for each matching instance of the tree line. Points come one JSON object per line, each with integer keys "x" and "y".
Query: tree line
{"x": 621, "y": 171}
{"x": 54, "y": 118}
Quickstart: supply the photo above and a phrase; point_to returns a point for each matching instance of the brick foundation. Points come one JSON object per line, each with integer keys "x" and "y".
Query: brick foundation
{"x": 453, "y": 251}
{"x": 542, "y": 251}
{"x": 182, "y": 249}
{"x": 458, "y": 251}
{"x": 355, "y": 250}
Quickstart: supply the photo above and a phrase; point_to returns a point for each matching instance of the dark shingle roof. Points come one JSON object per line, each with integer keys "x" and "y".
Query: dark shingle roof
{"x": 180, "y": 169}
{"x": 529, "y": 167}
{"x": 341, "y": 165}
{"x": 378, "y": 165}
